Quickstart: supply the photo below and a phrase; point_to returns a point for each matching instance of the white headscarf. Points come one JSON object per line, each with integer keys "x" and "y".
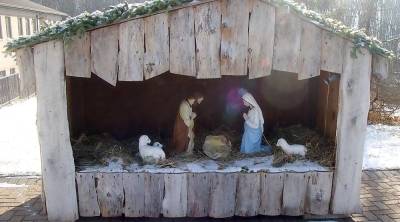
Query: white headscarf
{"x": 250, "y": 99}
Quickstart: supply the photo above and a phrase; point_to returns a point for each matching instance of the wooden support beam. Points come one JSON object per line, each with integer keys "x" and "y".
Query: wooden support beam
{"x": 77, "y": 56}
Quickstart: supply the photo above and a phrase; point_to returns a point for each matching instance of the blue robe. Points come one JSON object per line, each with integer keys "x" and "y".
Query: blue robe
{"x": 251, "y": 140}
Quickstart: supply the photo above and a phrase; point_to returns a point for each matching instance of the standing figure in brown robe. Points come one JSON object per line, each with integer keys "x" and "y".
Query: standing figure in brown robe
{"x": 183, "y": 135}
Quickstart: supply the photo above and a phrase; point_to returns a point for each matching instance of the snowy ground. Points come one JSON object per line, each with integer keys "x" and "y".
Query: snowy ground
{"x": 20, "y": 155}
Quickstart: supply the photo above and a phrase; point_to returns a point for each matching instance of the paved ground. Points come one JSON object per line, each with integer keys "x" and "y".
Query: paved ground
{"x": 380, "y": 197}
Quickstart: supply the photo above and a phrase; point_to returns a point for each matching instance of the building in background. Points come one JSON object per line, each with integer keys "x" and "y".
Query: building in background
{"x": 21, "y": 18}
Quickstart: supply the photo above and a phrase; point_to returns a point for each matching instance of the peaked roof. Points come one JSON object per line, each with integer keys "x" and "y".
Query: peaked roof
{"x": 31, "y": 6}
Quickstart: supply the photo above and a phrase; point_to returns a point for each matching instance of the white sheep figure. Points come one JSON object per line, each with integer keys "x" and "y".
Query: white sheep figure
{"x": 150, "y": 154}
{"x": 294, "y": 149}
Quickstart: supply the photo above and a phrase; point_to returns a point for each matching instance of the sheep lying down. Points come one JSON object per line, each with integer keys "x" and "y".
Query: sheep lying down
{"x": 150, "y": 154}
{"x": 294, "y": 149}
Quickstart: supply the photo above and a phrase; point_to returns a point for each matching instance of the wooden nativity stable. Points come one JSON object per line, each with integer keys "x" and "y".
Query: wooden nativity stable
{"x": 109, "y": 79}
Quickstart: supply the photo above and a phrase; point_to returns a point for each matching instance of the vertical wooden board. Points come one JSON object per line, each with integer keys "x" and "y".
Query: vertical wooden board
{"x": 110, "y": 194}
{"x": 58, "y": 168}
{"x": 222, "y": 195}
{"x": 294, "y": 193}
{"x": 247, "y": 194}
{"x": 27, "y": 80}
{"x": 234, "y": 37}
{"x": 380, "y": 66}
{"x": 87, "y": 195}
{"x": 77, "y": 56}
{"x": 134, "y": 187}
{"x": 182, "y": 42}
{"x": 261, "y": 39}
{"x": 271, "y": 193}
{"x": 310, "y": 51}
{"x": 318, "y": 195}
{"x": 352, "y": 123}
{"x": 131, "y": 50}
{"x": 176, "y": 195}
{"x": 287, "y": 41}
{"x": 156, "y": 57}
{"x": 331, "y": 52}
{"x": 153, "y": 194}
{"x": 199, "y": 187}
{"x": 208, "y": 40}
{"x": 104, "y": 49}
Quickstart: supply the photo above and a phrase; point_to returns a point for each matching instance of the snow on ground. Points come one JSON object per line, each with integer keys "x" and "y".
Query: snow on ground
{"x": 10, "y": 185}
{"x": 19, "y": 146}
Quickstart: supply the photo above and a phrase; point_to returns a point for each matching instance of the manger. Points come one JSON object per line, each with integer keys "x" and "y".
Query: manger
{"x": 128, "y": 75}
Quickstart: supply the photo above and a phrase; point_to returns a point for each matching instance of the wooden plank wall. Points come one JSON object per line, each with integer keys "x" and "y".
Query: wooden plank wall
{"x": 217, "y": 195}
{"x": 27, "y": 80}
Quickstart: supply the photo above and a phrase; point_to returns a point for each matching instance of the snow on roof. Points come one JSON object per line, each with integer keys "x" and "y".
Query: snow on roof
{"x": 31, "y": 6}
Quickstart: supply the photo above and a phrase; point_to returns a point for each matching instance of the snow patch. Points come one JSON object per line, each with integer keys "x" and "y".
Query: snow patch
{"x": 10, "y": 185}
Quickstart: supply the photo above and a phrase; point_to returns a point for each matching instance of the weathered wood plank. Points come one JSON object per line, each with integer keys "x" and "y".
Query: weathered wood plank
{"x": 271, "y": 193}
{"x": 182, "y": 42}
{"x": 234, "y": 37}
{"x": 294, "y": 193}
{"x": 131, "y": 50}
{"x": 156, "y": 57}
{"x": 208, "y": 40}
{"x": 87, "y": 195}
{"x": 222, "y": 195}
{"x": 310, "y": 51}
{"x": 77, "y": 56}
{"x": 176, "y": 195}
{"x": 287, "y": 41}
{"x": 104, "y": 49}
{"x": 248, "y": 194}
{"x": 261, "y": 39}
{"x": 27, "y": 80}
{"x": 199, "y": 187}
{"x": 318, "y": 195}
{"x": 153, "y": 194}
{"x": 134, "y": 187}
{"x": 380, "y": 66}
{"x": 110, "y": 194}
{"x": 58, "y": 169}
{"x": 354, "y": 101}
{"x": 331, "y": 52}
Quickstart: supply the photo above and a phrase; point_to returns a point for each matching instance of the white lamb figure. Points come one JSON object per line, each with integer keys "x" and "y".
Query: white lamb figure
{"x": 150, "y": 154}
{"x": 294, "y": 149}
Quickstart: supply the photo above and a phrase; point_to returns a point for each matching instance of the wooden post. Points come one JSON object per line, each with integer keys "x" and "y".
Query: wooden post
{"x": 27, "y": 81}
{"x": 58, "y": 169}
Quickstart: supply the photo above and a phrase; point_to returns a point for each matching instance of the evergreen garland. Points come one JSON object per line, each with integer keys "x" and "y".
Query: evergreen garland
{"x": 70, "y": 27}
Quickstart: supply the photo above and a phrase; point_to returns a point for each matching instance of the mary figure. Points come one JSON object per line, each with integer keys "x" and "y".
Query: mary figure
{"x": 253, "y": 127}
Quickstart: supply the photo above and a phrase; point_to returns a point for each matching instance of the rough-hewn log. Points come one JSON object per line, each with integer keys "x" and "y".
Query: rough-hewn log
{"x": 208, "y": 40}
{"x": 134, "y": 194}
{"x": 380, "y": 66}
{"x": 58, "y": 169}
{"x": 175, "y": 199}
{"x": 182, "y": 42}
{"x": 222, "y": 195}
{"x": 234, "y": 37}
{"x": 110, "y": 194}
{"x": 318, "y": 196}
{"x": 310, "y": 51}
{"x": 87, "y": 195}
{"x": 27, "y": 80}
{"x": 287, "y": 41}
{"x": 352, "y": 123}
{"x": 131, "y": 50}
{"x": 153, "y": 194}
{"x": 331, "y": 52}
{"x": 271, "y": 193}
{"x": 104, "y": 49}
{"x": 199, "y": 186}
{"x": 156, "y": 57}
{"x": 294, "y": 193}
{"x": 248, "y": 194}
{"x": 77, "y": 56}
{"x": 261, "y": 39}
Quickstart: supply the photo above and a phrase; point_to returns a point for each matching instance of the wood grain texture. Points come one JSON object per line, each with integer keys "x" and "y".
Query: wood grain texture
{"x": 271, "y": 192}
{"x": 294, "y": 193}
{"x": 199, "y": 187}
{"x": 110, "y": 194}
{"x": 27, "y": 80}
{"x": 247, "y": 194}
{"x": 310, "y": 51}
{"x": 182, "y": 42}
{"x": 318, "y": 196}
{"x": 287, "y": 41}
{"x": 234, "y": 37}
{"x": 222, "y": 195}
{"x": 261, "y": 39}
{"x": 104, "y": 50}
{"x": 87, "y": 195}
{"x": 58, "y": 169}
{"x": 134, "y": 194}
{"x": 156, "y": 57}
{"x": 380, "y": 66}
{"x": 131, "y": 50}
{"x": 77, "y": 56}
{"x": 332, "y": 52}
{"x": 208, "y": 40}
{"x": 354, "y": 98}
{"x": 176, "y": 195}
{"x": 153, "y": 194}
